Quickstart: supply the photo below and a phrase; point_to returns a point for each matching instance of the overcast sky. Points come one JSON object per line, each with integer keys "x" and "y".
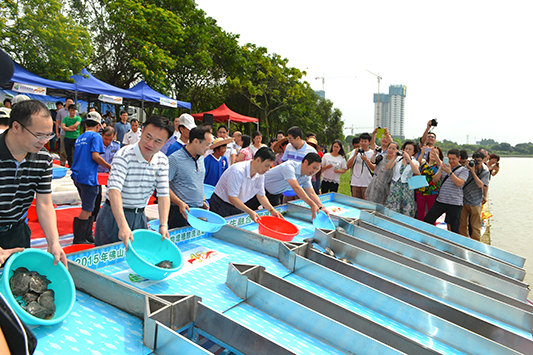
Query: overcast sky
{"x": 466, "y": 63}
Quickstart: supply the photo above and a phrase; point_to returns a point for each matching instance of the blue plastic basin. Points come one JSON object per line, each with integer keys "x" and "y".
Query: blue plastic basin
{"x": 289, "y": 193}
{"x": 323, "y": 221}
{"x": 147, "y": 249}
{"x": 213, "y": 224}
{"x": 154, "y": 225}
{"x": 59, "y": 172}
{"x": 61, "y": 283}
{"x": 208, "y": 191}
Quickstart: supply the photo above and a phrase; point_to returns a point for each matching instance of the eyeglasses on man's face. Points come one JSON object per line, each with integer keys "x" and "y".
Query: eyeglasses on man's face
{"x": 46, "y": 137}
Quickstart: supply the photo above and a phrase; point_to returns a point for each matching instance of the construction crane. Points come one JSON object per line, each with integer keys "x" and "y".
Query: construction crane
{"x": 324, "y": 77}
{"x": 378, "y": 116}
{"x": 352, "y": 127}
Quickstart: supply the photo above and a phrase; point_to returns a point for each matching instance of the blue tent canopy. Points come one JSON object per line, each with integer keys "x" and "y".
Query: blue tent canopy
{"x": 150, "y": 95}
{"x": 87, "y": 83}
{"x": 23, "y": 76}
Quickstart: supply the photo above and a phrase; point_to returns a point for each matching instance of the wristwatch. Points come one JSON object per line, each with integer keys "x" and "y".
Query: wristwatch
{"x": 163, "y": 225}
{"x": 321, "y": 207}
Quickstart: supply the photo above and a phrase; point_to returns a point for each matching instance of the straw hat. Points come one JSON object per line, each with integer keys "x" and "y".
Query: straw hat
{"x": 220, "y": 141}
{"x": 278, "y": 147}
{"x": 312, "y": 142}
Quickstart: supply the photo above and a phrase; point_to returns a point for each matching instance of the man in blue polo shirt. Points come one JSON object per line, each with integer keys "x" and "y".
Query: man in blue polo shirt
{"x": 186, "y": 177}
{"x": 88, "y": 148}
{"x": 297, "y": 148}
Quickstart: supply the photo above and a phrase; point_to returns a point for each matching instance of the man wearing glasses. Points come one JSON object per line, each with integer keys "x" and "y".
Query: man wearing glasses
{"x": 25, "y": 171}
{"x": 477, "y": 180}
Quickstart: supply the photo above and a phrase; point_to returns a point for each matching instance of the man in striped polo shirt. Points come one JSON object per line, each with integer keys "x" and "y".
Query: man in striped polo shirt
{"x": 137, "y": 170}
{"x": 25, "y": 171}
{"x": 452, "y": 177}
{"x": 297, "y": 148}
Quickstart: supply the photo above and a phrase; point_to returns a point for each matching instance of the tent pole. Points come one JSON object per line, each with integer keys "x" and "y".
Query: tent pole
{"x": 229, "y": 125}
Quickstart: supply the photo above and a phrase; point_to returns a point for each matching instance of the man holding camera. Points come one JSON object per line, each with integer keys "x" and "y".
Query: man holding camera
{"x": 362, "y": 166}
{"x": 478, "y": 178}
{"x": 428, "y": 139}
{"x": 452, "y": 177}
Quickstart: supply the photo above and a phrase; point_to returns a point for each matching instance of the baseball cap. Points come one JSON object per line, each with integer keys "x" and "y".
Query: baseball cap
{"x": 94, "y": 116}
{"x": 187, "y": 121}
{"x": 5, "y": 112}
{"x": 19, "y": 98}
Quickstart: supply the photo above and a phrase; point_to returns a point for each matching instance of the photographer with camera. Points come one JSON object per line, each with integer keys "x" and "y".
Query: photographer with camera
{"x": 378, "y": 189}
{"x": 478, "y": 178}
{"x": 362, "y": 166}
{"x": 428, "y": 139}
{"x": 452, "y": 177}
{"x": 401, "y": 199}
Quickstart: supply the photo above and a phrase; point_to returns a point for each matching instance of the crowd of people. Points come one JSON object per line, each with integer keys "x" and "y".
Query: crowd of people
{"x": 452, "y": 184}
{"x": 173, "y": 161}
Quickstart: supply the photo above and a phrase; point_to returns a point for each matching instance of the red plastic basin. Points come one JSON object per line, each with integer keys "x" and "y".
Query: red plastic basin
{"x": 102, "y": 178}
{"x": 277, "y": 228}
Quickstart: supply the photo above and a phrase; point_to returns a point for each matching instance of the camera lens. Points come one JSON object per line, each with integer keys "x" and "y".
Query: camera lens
{"x": 471, "y": 163}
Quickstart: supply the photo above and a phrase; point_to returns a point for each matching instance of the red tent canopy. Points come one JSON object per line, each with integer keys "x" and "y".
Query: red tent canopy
{"x": 224, "y": 114}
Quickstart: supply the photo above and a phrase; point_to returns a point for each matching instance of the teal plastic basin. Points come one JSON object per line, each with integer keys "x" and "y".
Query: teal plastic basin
{"x": 147, "y": 249}
{"x": 61, "y": 283}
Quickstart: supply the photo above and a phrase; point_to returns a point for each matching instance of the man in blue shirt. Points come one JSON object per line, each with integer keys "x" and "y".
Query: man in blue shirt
{"x": 216, "y": 163}
{"x": 122, "y": 126}
{"x": 186, "y": 173}
{"x": 88, "y": 148}
{"x": 111, "y": 147}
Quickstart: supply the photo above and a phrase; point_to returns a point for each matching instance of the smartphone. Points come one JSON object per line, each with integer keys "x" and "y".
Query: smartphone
{"x": 446, "y": 161}
{"x": 427, "y": 150}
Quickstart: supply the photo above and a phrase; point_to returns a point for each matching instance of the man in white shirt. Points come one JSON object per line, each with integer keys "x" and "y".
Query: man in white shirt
{"x": 362, "y": 166}
{"x": 240, "y": 183}
{"x": 134, "y": 134}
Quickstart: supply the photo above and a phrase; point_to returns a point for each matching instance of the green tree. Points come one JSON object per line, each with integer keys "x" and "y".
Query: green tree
{"x": 132, "y": 40}
{"x": 488, "y": 142}
{"x": 39, "y": 37}
{"x": 267, "y": 82}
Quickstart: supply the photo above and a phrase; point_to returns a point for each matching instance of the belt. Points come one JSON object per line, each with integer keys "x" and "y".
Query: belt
{"x": 134, "y": 210}
{"x": 8, "y": 227}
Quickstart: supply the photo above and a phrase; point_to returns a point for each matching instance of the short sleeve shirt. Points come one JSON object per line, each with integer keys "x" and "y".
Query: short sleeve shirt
{"x": 236, "y": 182}
{"x": 136, "y": 178}
{"x": 292, "y": 153}
{"x": 472, "y": 194}
{"x": 68, "y": 121}
{"x": 276, "y": 179}
{"x": 20, "y": 181}
{"x": 121, "y": 129}
{"x": 84, "y": 168}
{"x": 361, "y": 175}
{"x": 449, "y": 192}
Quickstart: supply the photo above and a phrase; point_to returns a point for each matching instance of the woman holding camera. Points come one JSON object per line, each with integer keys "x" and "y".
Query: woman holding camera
{"x": 378, "y": 189}
{"x": 400, "y": 198}
{"x": 425, "y": 196}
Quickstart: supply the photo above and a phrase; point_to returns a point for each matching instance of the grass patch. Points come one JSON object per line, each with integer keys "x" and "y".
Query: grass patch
{"x": 344, "y": 187}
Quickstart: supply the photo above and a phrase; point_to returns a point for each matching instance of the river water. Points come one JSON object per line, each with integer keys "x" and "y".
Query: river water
{"x": 512, "y": 224}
